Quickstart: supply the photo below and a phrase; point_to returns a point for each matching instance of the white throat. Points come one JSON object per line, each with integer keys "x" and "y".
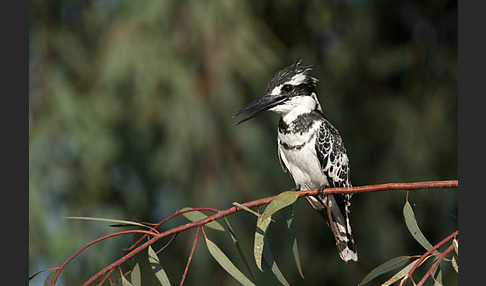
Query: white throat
{"x": 296, "y": 106}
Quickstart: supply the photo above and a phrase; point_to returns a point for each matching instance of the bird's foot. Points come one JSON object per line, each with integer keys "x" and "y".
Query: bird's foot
{"x": 320, "y": 191}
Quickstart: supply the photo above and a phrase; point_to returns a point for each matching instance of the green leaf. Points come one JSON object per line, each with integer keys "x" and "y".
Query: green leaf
{"x": 119, "y": 221}
{"x": 412, "y": 226}
{"x": 260, "y": 248}
{"x": 236, "y": 242}
{"x": 388, "y": 266}
{"x": 227, "y": 265}
{"x": 295, "y": 248}
{"x": 135, "y": 276}
{"x": 49, "y": 278}
{"x": 124, "y": 280}
{"x": 197, "y": 215}
{"x": 283, "y": 200}
{"x": 454, "y": 264}
{"x": 246, "y": 209}
{"x": 455, "y": 243}
{"x": 270, "y": 261}
{"x": 157, "y": 268}
{"x": 262, "y": 225}
{"x": 402, "y": 273}
{"x": 438, "y": 279}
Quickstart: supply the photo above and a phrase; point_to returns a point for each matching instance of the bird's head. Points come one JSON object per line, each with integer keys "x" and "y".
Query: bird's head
{"x": 291, "y": 88}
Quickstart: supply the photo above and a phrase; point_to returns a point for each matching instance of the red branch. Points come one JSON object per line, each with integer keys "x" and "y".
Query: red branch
{"x": 434, "y": 266}
{"x": 409, "y": 275}
{"x": 232, "y": 210}
{"x": 189, "y": 259}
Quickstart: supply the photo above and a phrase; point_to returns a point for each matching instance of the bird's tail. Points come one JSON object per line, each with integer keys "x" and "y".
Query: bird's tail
{"x": 335, "y": 211}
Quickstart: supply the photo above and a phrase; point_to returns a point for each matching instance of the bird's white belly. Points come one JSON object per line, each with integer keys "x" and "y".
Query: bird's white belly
{"x": 303, "y": 165}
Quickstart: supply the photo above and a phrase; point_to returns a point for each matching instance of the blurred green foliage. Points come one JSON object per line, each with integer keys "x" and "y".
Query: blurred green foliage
{"x": 130, "y": 118}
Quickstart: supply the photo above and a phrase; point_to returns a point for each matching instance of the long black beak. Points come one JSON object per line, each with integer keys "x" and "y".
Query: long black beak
{"x": 259, "y": 105}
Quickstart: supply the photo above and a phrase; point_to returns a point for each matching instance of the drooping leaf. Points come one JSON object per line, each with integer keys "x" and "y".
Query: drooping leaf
{"x": 49, "y": 278}
{"x": 293, "y": 238}
{"x": 226, "y": 263}
{"x": 135, "y": 276}
{"x": 455, "y": 243}
{"x": 454, "y": 264}
{"x": 387, "y": 266}
{"x": 236, "y": 242}
{"x": 402, "y": 273}
{"x": 259, "y": 241}
{"x": 413, "y": 228}
{"x": 157, "y": 268}
{"x": 261, "y": 248}
{"x": 438, "y": 279}
{"x": 270, "y": 261}
{"x": 296, "y": 253}
{"x": 125, "y": 282}
{"x": 283, "y": 200}
{"x": 197, "y": 215}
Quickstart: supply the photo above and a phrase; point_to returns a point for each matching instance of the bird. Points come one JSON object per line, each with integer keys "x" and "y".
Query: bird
{"x": 310, "y": 148}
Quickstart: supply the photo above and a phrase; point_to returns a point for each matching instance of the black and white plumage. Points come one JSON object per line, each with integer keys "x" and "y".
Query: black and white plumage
{"x": 310, "y": 148}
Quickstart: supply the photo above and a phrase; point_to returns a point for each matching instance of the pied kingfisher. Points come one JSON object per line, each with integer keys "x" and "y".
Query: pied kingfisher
{"x": 310, "y": 148}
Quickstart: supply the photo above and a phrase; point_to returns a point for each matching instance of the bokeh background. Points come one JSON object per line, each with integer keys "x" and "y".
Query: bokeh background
{"x": 130, "y": 118}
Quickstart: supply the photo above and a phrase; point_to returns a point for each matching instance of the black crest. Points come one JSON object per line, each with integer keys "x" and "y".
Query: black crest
{"x": 288, "y": 72}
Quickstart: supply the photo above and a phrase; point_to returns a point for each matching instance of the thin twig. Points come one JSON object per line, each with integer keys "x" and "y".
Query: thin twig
{"x": 167, "y": 244}
{"x": 62, "y": 266}
{"x": 409, "y": 275}
{"x": 434, "y": 266}
{"x": 106, "y": 277}
{"x": 189, "y": 259}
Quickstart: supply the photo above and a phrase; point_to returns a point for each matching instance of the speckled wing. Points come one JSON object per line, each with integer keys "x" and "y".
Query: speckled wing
{"x": 335, "y": 166}
{"x": 332, "y": 155}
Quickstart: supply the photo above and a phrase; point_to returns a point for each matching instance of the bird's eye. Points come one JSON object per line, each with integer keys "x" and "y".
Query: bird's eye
{"x": 287, "y": 87}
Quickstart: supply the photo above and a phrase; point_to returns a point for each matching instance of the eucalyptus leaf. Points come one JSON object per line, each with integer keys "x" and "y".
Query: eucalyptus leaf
{"x": 259, "y": 242}
{"x": 387, "y": 266}
{"x": 413, "y": 228}
{"x": 125, "y": 282}
{"x": 160, "y": 273}
{"x": 438, "y": 279}
{"x": 135, "y": 276}
{"x": 283, "y": 200}
{"x": 293, "y": 238}
{"x": 119, "y": 221}
{"x": 454, "y": 264}
{"x": 197, "y": 215}
{"x": 270, "y": 261}
{"x": 236, "y": 242}
{"x": 455, "y": 243}
{"x": 245, "y": 208}
{"x": 226, "y": 263}
{"x": 402, "y": 273}
{"x": 261, "y": 248}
